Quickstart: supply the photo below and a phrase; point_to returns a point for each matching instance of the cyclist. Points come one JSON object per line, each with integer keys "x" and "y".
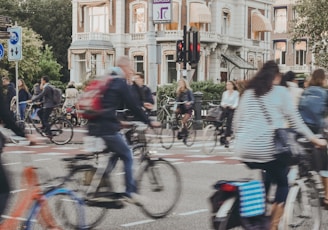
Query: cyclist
{"x": 48, "y": 104}
{"x": 10, "y": 123}
{"x": 107, "y": 124}
{"x": 184, "y": 94}
{"x": 229, "y": 103}
{"x": 254, "y": 134}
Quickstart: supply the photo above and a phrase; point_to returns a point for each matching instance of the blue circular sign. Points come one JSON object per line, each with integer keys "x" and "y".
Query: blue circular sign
{"x": 14, "y": 38}
{"x": 2, "y": 52}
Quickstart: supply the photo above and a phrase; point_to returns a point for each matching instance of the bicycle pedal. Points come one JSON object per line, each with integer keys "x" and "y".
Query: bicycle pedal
{"x": 105, "y": 202}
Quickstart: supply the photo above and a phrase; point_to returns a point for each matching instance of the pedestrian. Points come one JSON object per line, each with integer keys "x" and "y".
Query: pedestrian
{"x": 47, "y": 104}
{"x": 184, "y": 94}
{"x": 11, "y": 124}
{"x": 289, "y": 81}
{"x": 143, "y": 92}
{"x": 263, "y": 100}
{"x": 71, "y": 95}
{"x": 23, "y": 96}
{"x": 229, "y": 103}
{"x": 107, "y": 125}
{"x": 8, "y": 90}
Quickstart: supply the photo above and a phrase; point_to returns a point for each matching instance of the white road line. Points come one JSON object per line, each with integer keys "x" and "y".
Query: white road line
{"x": 19, "y": 152}
{"x": 43, "y": 159}
{"x": 65, "y": 148}
{"x": 38, "y": 146}
{"x": 52, "y": 154}
{"x": 193, "y": 212}
{"x": 233, "y": 158}
{"x": 199, "y": 156}
{"x": 18, "y": 190}
{"x": 177, "y": 163}
{"x": 173, "y": 159}
{"x": 208, "y": 162}
{"x": 137, "y": 223}
{"x": 13, "y": 163}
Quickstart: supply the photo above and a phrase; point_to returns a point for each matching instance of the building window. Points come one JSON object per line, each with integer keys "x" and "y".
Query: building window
{"x": 300, "y": 53}
{"x": 139, "y": 18}
{"x": 280, "y": 48}
{"x": 98, "y": 19}
{"x": 171, "y": 69}
{"x": 139, "y": 63}
{"x": 280, "y": 20}
{"x": 225, "y": 22}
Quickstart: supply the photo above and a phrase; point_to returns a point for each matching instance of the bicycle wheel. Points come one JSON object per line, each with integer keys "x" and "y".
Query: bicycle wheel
{"x": 302, "y": 209}
{"x": 210, "y": 138}
{"x": 61, "y": 130}
{"x": 160, "y": 183}
{"x": 167, "y": 135}
{"x": 47, "y": 214}
{"x": 231, "y": 220}
{"x": 189, "y": 140}
{"x": 79, "y": 183}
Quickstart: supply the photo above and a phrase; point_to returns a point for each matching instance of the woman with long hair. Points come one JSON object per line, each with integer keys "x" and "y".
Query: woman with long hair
{"x": 264, "y": 107}
{"x": 184, "y": 94}
{"x": 23, "y": 96}
{"x": 229, "y": 103}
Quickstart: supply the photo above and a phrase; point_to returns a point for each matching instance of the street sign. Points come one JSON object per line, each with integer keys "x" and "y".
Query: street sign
{"x": 2, "y": 51}
{"x": 15, "y": 44}
{"x": 162, "y": 11}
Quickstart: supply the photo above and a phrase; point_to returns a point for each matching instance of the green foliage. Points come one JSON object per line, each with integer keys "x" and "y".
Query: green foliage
{"x": 312, "y": 22}
{"x": 48, "y": 65}
{"x": 211, "y": 91}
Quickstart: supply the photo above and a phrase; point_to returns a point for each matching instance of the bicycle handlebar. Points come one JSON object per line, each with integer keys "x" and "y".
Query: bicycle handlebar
{"x": 213, "y": 105}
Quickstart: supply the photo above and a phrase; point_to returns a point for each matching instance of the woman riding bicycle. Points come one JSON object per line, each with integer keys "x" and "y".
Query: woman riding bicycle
{"x": 185, "y": 95}
{"x": 264, "y": 98}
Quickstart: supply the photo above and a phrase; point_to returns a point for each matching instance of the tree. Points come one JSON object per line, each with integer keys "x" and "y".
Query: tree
{"x": 48, "y": 65}
{"x": 312, "y": 23}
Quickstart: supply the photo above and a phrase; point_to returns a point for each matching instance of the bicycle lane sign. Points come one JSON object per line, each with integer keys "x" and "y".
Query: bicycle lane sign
{"x": 15, "y": 44}
{"x": 2, "y": 51}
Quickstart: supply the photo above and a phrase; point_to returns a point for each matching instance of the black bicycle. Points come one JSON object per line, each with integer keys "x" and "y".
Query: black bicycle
{"x": 158, "y": 181}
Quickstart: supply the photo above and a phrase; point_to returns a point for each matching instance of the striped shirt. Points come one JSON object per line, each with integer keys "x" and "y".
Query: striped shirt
{"x": 254, "y": 134}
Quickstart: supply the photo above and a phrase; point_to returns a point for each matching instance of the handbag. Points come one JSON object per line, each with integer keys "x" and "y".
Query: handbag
{"x": 281, "y": 139}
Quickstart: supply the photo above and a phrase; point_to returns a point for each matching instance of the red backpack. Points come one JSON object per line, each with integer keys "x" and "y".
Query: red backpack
{"x": 89, "y": 104}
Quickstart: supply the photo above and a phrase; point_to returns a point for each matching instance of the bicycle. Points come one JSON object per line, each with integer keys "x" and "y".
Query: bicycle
{"x": 172, "y": 124}
{"x": 157, "y": 180}
{"x": 302, "y": 207}
{"x": 38, "y": 205}
{"x": 213, "y": 132}
{"x": 60, "y": 128}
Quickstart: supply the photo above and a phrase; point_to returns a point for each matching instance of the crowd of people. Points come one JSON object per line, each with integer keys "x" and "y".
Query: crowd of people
{"x": 270, "y": 101}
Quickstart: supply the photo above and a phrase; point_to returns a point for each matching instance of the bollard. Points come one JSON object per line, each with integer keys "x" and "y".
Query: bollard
{"x": 198, "y": 121}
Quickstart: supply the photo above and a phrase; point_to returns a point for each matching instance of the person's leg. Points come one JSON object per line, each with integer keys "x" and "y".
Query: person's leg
{"x": 22, "y": 108}
{"x": 4, "y": 189}
{"x": 118, "y": 145}
{"x": 46, "y": 115}
{"x": 228, "y": 131}
{"x": 40, "y": 113}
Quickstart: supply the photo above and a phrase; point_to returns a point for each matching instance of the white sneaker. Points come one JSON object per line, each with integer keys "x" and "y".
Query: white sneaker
{"x": 136, "y": 199}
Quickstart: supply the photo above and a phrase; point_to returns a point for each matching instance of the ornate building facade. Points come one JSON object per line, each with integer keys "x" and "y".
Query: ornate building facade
{"x": 235, "y": 38}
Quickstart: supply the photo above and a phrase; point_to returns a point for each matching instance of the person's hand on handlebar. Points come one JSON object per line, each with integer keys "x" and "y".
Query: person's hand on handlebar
{"x": 321, "y": 143}
{"x": 155, "y": 124}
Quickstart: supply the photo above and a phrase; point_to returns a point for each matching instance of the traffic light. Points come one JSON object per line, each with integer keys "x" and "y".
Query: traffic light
{"x": 194, "y": 47}
{"x": 179, "y": 51}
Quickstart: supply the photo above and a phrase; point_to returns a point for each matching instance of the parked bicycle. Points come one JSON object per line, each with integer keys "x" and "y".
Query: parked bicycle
{"x": 158, "y": 181}
{"x": 61, "y": 129}
{"x": 302, "y": 207}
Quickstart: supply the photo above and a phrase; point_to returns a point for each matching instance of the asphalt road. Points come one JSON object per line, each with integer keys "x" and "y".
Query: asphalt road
{"x": 198, "y": 172}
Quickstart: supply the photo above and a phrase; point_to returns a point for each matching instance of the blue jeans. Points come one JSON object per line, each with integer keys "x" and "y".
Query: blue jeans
{"x": 116, "y": 143}
{"x": 22, "y": 108}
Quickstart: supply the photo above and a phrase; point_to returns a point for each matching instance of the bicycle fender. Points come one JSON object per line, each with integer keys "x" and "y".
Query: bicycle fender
{"x": 225, "y": 207}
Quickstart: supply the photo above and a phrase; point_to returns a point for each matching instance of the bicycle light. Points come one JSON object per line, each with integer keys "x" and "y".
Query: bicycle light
{"x": 228, "y": 188}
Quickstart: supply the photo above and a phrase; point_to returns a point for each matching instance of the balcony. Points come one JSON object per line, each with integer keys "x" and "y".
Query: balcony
{"x": 91, "y": 36}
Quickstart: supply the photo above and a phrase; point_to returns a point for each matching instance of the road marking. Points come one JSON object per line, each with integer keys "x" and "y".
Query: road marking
{"x": 65, "y": 148}
{"x": 198, "y": 156}
{"x": 137, "y": 223}
{"x": 193, "y": 212}
{"x": 208, "y": 162}
{"x": 43, "y": 159}
{"x": 173, "y": 159}
{"x": 18, "y": 190}
{"x": 177, "y": 163}
{"x": 19, "y": 152}
{"x": 233, "y": 158}
{"x": 38, "y": 146}
{"x": 13, "y": 163}
{"x": 52, "y": 154}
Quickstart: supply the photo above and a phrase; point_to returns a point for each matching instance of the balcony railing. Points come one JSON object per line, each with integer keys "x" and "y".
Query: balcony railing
{"x": 91, "y": 36}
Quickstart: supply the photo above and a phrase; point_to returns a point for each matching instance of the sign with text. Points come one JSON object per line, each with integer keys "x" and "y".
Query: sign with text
{"x": 162, "y": 11}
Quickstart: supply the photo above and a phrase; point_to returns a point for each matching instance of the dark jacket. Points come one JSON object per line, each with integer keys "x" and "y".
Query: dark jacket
{"x": 7, "y": 118}
{"x": 185, "y": 96}
{"x": 23, "y": 95}
{"x": 47, "y": 97}
{"x": 116, "y": 96}
{"x": 9, "y": 93}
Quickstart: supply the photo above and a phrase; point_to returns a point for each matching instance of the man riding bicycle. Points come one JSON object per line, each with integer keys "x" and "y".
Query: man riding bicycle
{"x": 108, "y": 126}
